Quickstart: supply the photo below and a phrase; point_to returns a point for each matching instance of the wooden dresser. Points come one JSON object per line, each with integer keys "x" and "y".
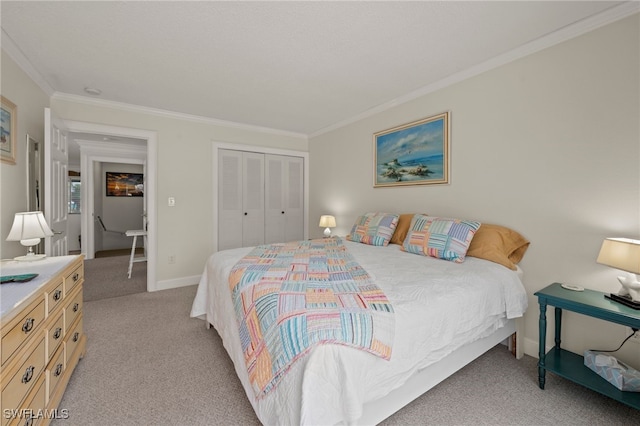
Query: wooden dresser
{"x": 42, "y": 338}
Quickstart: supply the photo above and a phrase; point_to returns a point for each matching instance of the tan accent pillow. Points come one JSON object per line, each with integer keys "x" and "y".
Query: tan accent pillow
{"x": 498, "y": 244}
{"x": 404, "y": 222}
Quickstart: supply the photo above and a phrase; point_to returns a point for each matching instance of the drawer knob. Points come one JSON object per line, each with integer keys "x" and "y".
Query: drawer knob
{"x": 57, "y": 294}
{"x": 76, "y": 276}
{"x": 28, "y": 325}
{"x": 75, "y": 336}
{"x": 28, "y": 374}
{"x": 29, "y": 421}
{"x": 58, "y": 370}
{"x": 57, "y": 333}
{"x": 75, "y": 307}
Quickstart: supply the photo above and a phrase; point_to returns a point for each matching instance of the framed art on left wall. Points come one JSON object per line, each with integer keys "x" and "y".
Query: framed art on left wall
{"x": 8, "y": 116}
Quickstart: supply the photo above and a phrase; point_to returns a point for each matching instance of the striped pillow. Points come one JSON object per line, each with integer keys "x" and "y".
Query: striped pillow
{"x": 374, "y": 229}
{"x": 442, "y": 238}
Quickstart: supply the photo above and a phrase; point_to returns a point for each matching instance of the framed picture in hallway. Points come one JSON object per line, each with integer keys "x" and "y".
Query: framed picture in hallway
{"x": 125, "y": 184}
{"x": 415, "y": 153}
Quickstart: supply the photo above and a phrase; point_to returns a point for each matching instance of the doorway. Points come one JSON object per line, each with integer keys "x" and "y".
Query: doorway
{"x": 111, "y": 144}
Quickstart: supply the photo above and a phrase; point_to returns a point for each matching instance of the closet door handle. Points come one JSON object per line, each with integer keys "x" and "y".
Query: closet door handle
{"x": 282, "y": 212}
{"x": 245, "y": 213}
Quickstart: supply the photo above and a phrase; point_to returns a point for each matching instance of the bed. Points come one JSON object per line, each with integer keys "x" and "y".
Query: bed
{"x": 447, "y": 313}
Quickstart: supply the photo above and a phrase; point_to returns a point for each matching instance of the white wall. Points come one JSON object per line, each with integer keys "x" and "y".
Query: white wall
{"x": 548, "y": 145}
{"x": 184, "y": 170}
{"x": 30, "y": 100}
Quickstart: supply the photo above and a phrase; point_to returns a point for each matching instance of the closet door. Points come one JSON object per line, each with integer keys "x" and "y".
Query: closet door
{"x": 230, "y": 212}
{"x": 260, "y": 199}
{"x": 252, "y": 199}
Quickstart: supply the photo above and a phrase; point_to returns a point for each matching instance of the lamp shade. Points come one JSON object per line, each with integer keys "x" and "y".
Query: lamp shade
{"x": 621, "y": 253}
{"x": 327, "y": 221}
{"x": 28, "y": 226}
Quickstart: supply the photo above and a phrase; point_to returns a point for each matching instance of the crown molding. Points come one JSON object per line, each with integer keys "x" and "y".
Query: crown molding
{"x": 121, "y": 106}
{"x": 12, "y": 49}
{"x": 571, "y": 31}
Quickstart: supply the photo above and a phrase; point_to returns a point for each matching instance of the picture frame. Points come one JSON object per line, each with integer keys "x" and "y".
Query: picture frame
{"x": 415, "y": 153}
{"x": 8, "y": 130}
{"x": 119, "y": 184}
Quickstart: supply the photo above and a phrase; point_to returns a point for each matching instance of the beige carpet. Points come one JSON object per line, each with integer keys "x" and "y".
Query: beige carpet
{"x": 148, "y": 363}
{"x": 106, "y": 277}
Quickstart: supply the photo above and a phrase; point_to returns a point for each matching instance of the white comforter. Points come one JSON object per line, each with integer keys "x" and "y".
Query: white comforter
{"x": 439, "y": 305}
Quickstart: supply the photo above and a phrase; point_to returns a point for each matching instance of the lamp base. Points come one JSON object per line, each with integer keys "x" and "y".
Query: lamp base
{"x": 30, "y": 257}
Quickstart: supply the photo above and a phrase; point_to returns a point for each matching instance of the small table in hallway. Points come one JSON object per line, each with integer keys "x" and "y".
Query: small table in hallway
{"x": 133, "y": 259}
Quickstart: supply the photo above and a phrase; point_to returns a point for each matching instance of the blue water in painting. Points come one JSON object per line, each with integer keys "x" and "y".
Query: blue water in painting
{"x": 434, "y": 163}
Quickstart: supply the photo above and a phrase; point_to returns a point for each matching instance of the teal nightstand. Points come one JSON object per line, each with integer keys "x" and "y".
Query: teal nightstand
{"x": 567, "y": 364}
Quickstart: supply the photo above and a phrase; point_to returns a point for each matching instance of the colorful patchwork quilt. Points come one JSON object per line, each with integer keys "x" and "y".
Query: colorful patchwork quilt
{"x": 291, "y": 297}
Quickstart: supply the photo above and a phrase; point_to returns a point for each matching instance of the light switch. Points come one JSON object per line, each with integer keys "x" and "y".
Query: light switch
{"x": 172, "y": 202}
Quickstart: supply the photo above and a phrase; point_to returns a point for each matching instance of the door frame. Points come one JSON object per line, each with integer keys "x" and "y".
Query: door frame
{"x": 262, "y": 150}
{"x": 93, "y": 153}
{"x": 119, "y": 153}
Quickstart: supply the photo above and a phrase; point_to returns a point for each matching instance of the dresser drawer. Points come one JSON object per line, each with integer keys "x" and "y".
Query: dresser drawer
{"x": 55, "y": 370}
{"x": 54, "y": 297}
{"x": 72, "y": 309}
{"x": 55, "y": 335}
{"x": 16, "y": 388}
{"x": 73, "y": 278}
{"x": 73, "y": 338}
{"x": 27, "y": 325}
{"x": 34, "y": 402}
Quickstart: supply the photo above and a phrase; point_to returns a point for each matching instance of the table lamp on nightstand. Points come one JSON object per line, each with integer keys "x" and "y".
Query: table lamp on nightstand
{"x": 28, "y": 228}
{"x": 624, "y": 254}
{"x": 327, "y": 222}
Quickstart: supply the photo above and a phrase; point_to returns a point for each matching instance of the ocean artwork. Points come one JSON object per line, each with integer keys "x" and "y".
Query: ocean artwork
{"x": 8, "y": 130}
{"x": 416, "y": 153}
{"x": 5, "y": 126}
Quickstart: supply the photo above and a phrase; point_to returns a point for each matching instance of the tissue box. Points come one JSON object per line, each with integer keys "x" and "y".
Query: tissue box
{"x": 615, "y": 372}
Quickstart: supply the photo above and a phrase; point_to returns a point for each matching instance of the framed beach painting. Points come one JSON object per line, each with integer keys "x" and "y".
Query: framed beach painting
{"x": 8, "y": 117}
{"x": 415, "y": 153}
{"x": 125, "y": 184}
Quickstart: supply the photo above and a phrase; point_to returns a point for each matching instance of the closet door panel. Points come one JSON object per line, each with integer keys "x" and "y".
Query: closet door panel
{"x": 253, "y": 199}
{"x": 274, "y": 199}
{"x": 294, "y": 196}
{"x": 229, "y": 199}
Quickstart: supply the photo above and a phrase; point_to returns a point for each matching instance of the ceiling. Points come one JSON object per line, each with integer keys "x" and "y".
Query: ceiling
{"x": 298, "y": 67}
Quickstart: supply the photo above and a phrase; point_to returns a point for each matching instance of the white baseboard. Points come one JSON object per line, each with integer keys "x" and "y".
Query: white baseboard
{"x": 530, "y": 347}
{"x": 176, "y": 282}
